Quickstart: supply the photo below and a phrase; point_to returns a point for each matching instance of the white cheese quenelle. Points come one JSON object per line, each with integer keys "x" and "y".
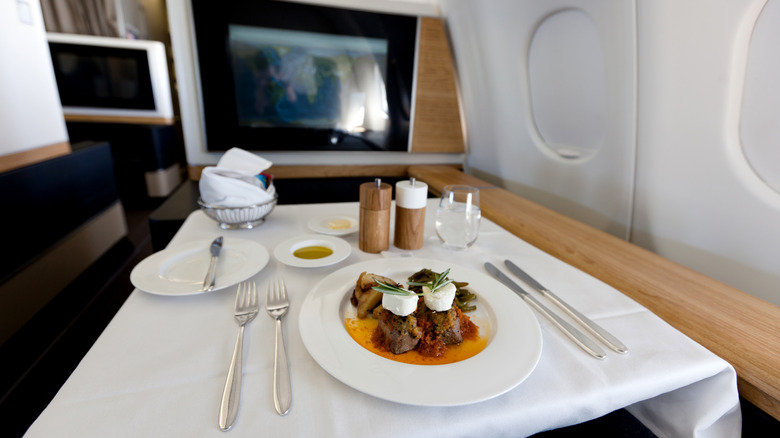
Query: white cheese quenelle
{"x": 400, "y": 305}
{"x": 440, "y": 300}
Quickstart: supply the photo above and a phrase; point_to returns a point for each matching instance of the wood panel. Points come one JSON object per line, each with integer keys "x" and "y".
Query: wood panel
{"x": 120, "y": 119}
{"x": 304, "y": 172}
{"x": 734, "y": 325}
{"x": 437, "y": 120}
{"x": 32, "y": 156}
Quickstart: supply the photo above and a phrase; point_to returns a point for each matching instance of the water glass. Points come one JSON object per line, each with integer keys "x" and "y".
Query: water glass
{"x": 458, "y": 216}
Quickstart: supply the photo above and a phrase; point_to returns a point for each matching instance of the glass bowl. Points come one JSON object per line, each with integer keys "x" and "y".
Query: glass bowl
{"x": 230, "y": 218}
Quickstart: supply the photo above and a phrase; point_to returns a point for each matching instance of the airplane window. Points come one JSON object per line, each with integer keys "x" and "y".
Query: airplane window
{"x": 567, "y": 84}
{"x": 760, "y": 118}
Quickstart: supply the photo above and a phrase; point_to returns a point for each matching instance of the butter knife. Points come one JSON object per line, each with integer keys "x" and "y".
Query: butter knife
{"x": 211, "y": 275}
{"x": 597, "y": 331}
{"x": 575, "y": 335}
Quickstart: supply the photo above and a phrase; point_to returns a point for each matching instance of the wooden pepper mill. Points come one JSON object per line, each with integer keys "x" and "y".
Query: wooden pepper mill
{"x": 375, "y": 200}
{"x": 410, "y": 200}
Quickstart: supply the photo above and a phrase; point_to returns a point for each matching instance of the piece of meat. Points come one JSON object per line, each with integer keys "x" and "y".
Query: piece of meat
{"x": 400, "y": 333}
{"x": 441, "y": 328}
{"x": 446, "y": 325}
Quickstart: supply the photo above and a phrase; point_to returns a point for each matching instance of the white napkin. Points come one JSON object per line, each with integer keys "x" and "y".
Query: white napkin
{"x": 233, "y": 182}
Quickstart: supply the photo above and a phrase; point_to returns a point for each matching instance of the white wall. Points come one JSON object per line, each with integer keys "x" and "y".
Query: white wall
{"x": 694, "y": 197}
{"x": 32, "y": 114}
{"x": 698, "y": 201}
{"x": 542, "y": 81}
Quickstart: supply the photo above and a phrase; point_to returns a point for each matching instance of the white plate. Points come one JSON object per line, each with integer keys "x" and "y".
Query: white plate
{"x": 513, "y": 349}
{"x": 284, "y": 251}
{"x": 320, "y": 225}
{"x": 180, "y": 270}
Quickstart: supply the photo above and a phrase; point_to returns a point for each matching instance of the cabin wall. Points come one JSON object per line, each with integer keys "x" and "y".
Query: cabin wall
{"x": 549, "y": 95}
{"x": 32, "y": 116}
{"x": 699, "y": 201}
{"x": 686, "y": 98}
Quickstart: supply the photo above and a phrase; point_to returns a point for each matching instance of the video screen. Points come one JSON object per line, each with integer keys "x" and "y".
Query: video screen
{"x": 102, "y": 77}
{"x": 290, "y": 78}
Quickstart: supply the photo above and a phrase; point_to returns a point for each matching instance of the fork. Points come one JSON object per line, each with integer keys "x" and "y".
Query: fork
{"x": 247, "y": 308}
{"x": 277, "y": 304}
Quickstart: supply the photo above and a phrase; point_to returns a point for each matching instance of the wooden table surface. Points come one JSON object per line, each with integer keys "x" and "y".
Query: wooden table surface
{"x": 738, "y": 327}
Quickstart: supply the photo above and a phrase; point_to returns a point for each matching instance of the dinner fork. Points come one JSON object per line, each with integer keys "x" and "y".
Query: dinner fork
{"x": 276, "y": 304}
{"x": 247, "y": 308}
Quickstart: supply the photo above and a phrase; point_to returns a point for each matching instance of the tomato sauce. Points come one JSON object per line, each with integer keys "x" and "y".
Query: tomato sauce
{"x": 366, "y": 332}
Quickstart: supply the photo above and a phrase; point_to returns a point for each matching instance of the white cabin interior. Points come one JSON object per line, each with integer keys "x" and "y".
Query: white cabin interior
{"x": 654, "y": 121}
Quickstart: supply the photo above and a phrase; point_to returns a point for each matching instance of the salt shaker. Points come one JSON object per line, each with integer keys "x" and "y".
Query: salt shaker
{"x": 375, "y": 200}
{"x": 410, "y": 200}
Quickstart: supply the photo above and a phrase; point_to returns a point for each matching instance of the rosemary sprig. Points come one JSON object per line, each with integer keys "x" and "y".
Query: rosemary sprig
{"x": 438, "y": 282}
{"x": 393, "y": 290}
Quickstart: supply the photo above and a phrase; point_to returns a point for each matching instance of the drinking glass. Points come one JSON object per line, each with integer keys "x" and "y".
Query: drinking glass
{"x": 458, "y": 215}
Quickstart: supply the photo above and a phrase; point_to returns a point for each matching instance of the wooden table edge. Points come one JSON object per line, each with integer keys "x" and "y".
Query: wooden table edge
{"x": 733, "y": 324}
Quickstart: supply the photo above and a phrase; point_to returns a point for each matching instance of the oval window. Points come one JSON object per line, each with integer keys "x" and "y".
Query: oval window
{"x": 567, "y": 84}
{"x": 760, "y": 117}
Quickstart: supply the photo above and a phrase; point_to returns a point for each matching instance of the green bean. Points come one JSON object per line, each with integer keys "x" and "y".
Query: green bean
{"x": 462, "y": 295}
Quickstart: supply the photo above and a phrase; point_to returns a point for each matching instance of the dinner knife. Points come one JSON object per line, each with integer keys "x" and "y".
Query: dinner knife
{"x": 575, "y": 335}
{"x": 211, "y": 275}
{"x": 597, "y": 331}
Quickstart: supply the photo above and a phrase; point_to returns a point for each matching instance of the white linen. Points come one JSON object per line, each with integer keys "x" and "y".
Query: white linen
{"x": 243, "y": 161}
{"x": 233, "y": 182}
{"x": 159, "y": 367}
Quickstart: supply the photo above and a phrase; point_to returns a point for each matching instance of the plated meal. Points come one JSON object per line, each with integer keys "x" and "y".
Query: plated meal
{"x": 507, "y": 328}
{"x": 424, "y": 322}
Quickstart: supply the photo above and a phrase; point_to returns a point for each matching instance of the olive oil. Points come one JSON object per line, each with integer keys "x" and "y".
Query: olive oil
{"x": 312, "y": 252}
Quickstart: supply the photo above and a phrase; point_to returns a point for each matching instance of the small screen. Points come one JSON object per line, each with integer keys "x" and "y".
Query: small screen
{"x": 102, "y": 77}
{"x": 306, "y": 79}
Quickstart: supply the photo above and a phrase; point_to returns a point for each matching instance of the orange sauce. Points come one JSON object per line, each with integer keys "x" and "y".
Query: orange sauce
{"x": 362, "y": 330}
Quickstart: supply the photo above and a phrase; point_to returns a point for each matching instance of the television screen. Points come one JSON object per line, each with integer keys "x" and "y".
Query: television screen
{"x": 289, "y": 76}
{"x": 292, "y": 78}
{"x": 89, "y": 76}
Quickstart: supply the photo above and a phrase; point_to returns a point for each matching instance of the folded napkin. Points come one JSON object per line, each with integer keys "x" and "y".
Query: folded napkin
{"x": 237, "y": 180}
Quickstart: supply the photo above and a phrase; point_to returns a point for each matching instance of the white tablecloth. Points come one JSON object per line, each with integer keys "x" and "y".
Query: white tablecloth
{"x": 159, "y": 367}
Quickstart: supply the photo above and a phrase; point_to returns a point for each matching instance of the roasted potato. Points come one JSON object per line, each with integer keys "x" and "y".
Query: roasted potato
{"x": 370, "y": 299}
{"x": 365, "y": 297}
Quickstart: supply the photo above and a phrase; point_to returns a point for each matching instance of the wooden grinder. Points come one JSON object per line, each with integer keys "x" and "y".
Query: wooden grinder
{"x": 410, "y": 200}
{"x": 375, "y": 200}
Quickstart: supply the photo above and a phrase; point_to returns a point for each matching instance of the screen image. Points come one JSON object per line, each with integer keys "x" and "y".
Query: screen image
{"x": 306, "y": 79}
{"x": 288, "y": 76}
{"x": 102, "y": 77}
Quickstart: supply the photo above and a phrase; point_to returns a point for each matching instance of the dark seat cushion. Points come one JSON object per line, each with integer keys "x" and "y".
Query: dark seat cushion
{"x": 44, "y": 202}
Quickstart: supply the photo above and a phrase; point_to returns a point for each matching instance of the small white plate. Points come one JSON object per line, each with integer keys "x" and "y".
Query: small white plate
{"x": 284, "y": 251}
{"x": 513, "y": 349}
{"x": 180, "y": 270}
{"x": 321, "y": 225}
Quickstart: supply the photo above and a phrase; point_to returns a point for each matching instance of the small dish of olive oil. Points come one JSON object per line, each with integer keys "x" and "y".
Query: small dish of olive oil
{"x": 312, "y": 252}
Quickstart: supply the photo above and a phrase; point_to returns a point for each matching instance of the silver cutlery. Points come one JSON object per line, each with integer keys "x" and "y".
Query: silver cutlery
{"x": 597, "y": 331}
{"x": 211, "y": 275}
{"x": 247, "y": 307}
{"x": 575, "y": 335}
{"x": 277, "y": 304}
